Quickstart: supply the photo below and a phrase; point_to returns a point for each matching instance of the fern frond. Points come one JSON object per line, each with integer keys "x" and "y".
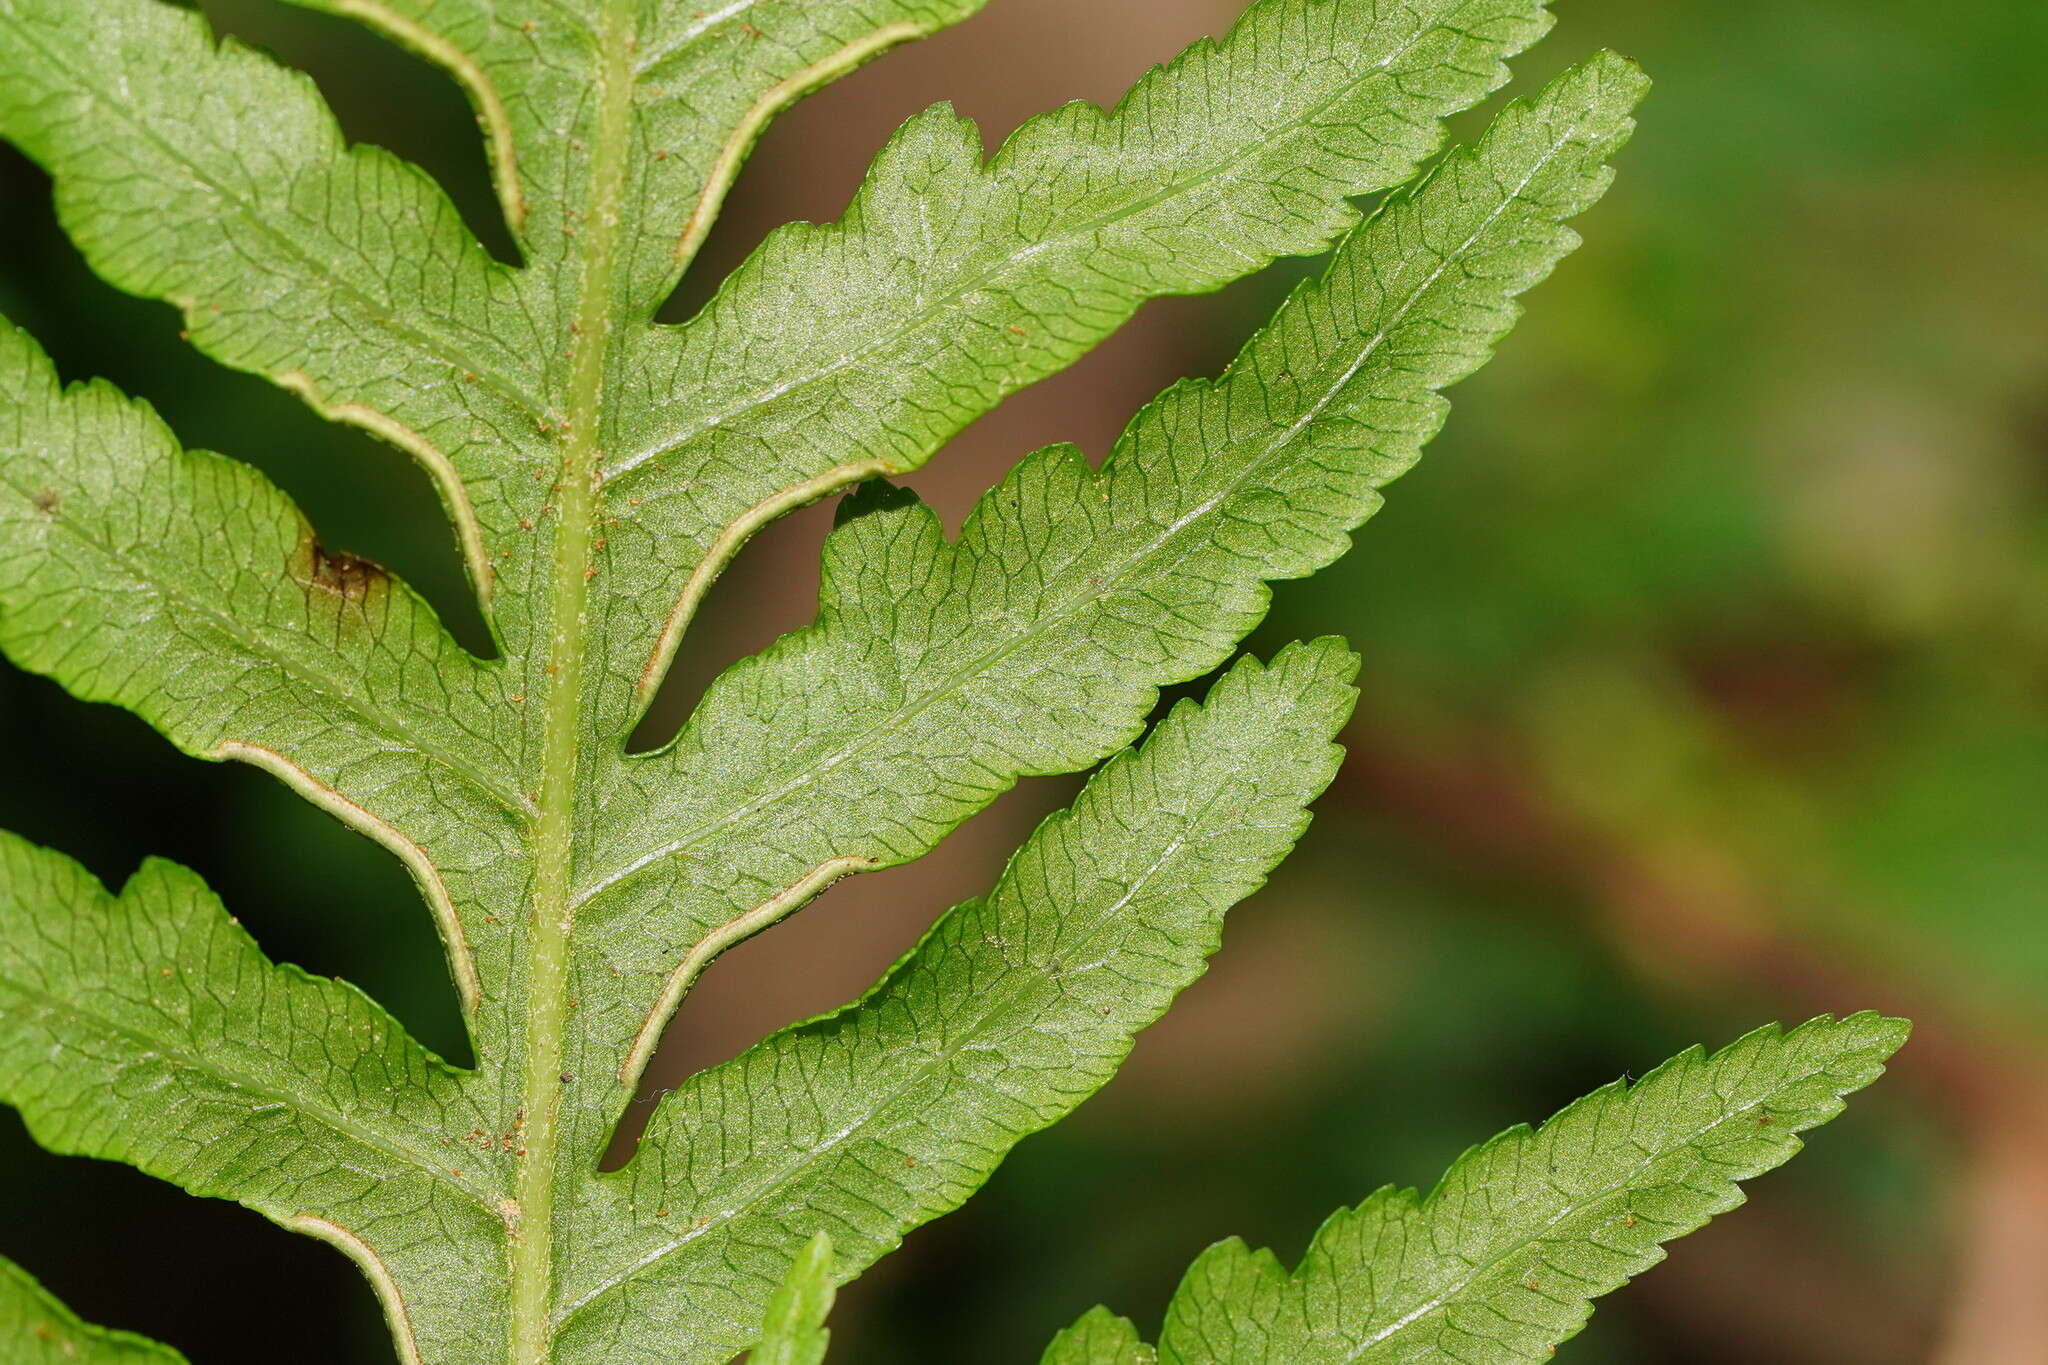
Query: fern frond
{"x": 599, "y": 471}
{"x": 1500, "y": 1264}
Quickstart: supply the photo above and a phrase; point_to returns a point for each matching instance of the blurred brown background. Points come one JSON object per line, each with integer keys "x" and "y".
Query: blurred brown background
{"x": 1706, "y": 683}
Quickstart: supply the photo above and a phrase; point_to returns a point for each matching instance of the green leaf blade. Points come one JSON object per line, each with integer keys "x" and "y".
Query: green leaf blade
{"x": 148, "y": 1028}
{"x": 701, "y": 82}
{"x": 1013, "y": 1010}
{"x": 795, "y": 1332}
{"x": 950, "y": 284}
{"x": 939, "y": 672}
{"x": 188, "y": 589}
{"x": 1500, "y": 1264}
{"x": 1099, "y": 1338}
{"x": 211, "y": 177}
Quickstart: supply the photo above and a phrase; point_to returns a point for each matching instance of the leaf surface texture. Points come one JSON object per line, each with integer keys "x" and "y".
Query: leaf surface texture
{"x": 1499, "y": 1264}
{"x": 599, "y": 471}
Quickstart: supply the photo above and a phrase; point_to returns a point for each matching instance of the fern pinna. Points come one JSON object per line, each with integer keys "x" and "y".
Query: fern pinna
{"x": 599, "y": 472}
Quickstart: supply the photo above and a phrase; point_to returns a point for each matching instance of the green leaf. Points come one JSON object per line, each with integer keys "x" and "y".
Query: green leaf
{"x": 35, "y": 1329}
{"x": 682, "y": 91}
{"x": 148, "y": 1028}
{"x": 1501, "y": 1262}
{"x": 1099, "y": 1338}
{"x": 215, "y": 179}
{"x": 950, "y": 283}
{"x": 259, "y": 645}
{"x": 599, "y": 471}
{"x": 939, "y": 673}
{"x": 1014, "y": 1009}
{"x": 795, "y": 1332}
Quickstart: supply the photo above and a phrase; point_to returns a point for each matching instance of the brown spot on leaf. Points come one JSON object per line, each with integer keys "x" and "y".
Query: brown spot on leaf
{"x": 46, "y": 502}
{"x": 345, "y": 575}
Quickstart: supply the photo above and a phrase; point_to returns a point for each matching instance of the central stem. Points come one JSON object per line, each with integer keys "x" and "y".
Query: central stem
{"x": 531, "y": 1330}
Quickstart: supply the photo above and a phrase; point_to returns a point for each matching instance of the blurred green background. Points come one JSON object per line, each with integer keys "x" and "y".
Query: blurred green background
{"x": 1706, "y": 683}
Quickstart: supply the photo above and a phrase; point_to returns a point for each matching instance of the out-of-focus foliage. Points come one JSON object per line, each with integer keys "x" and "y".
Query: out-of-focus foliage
{"x": 1734, "y": 557}
{"x": 1749, "y": 535}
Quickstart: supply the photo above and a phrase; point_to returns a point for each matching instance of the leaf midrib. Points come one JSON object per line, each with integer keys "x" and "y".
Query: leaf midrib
{"x": 550, "y": 938}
